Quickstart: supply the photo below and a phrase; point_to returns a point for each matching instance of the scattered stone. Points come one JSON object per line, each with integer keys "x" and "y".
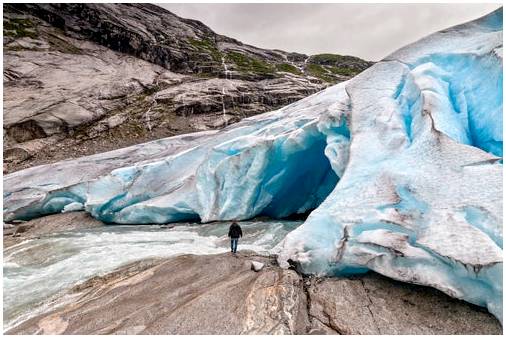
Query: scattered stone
{"x": 8, "y": 226}
{"x": 256, "y": 266}
{"x": 20, "y": 229}
{"x": 167, "y": 226}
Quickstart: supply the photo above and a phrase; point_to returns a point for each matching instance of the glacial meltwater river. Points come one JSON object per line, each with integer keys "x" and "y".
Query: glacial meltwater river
{"x": 37, "y": 270}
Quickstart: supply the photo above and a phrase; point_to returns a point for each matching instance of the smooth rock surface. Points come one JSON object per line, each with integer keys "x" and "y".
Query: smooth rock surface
{"x": 216, "y": 294}
{"x": 373, "y": 304}
{"x": 220, "y": 294}
{"x": 49, "y": 224}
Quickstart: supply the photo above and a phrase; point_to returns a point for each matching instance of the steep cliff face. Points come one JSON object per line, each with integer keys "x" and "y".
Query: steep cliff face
{"x": 181, "y": 45}
{"x": 83, "y": 78}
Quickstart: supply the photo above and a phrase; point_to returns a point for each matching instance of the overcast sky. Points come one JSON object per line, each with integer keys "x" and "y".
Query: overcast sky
{"x": 370, "y": 31}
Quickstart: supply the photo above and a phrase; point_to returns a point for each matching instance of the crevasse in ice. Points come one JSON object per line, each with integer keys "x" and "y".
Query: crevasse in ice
{"x": 402, "y": 164}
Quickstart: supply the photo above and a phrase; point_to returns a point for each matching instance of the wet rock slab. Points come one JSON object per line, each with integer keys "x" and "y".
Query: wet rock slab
{"x": 220, "y": 294}
{"x": 20, "y": 231}
{"x": 215, "y": 294}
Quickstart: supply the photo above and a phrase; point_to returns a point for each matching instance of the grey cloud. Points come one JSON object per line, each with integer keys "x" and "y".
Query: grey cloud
{"x": 370, "y": 31}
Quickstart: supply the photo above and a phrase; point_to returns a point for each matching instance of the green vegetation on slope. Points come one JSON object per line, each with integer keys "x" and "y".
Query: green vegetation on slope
{"x": 339, "y": 64}
{"x": 286, "y": 67}
{"x": 245, "y": 63}
{"x": 326, "y": 58}
{"x": 333, "y": 58}
{"x": 319, "y": 72}
{"x": 19, "y": 28}
{"x": 346, "y": 71}
{"x": 207, "y": 46}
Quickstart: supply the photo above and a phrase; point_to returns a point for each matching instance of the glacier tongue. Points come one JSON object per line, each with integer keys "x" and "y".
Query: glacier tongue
{"x": 421, "y": 197}
{"x": 273, "y": 164}
{"x": 402, "y": 163}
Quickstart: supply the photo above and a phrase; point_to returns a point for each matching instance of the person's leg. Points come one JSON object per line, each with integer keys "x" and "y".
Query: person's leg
{"x": 234, "y": 245}
{"x": 231, "y": 245}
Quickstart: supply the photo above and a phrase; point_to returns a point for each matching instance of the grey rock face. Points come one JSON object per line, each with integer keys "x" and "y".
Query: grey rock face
{"x": 220, "y": 294}
{"x": 182, "y": 45}
{"x": 68, "y": 90}
{"x": 373, "y": 304}
{"x": 86, "y": 78}
{"x": 216, "y": 294}
{"x": 48, "y": 224}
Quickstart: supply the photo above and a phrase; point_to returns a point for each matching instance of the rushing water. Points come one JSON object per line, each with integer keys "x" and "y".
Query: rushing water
{"x": 36, "y": 270}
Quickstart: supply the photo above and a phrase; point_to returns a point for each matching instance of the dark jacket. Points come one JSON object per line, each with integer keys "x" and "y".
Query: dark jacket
{"x": 235, "y": 231}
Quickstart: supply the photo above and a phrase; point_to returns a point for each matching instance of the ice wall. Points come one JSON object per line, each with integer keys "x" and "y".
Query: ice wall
{"x": 402, "y": 163}
{"x": 420, "y": 199}
{"x": 273, "y": 165}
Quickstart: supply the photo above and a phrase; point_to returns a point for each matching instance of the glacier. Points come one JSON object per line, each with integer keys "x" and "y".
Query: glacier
{"x": 400, "y": 167}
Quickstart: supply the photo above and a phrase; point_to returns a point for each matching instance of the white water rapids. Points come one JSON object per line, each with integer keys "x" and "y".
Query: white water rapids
{"x": 36, "y": 270}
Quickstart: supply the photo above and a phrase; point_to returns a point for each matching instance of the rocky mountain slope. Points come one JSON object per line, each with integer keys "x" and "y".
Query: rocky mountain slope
{"x": 85, "y": 78}
{"x": 221, "y": 294}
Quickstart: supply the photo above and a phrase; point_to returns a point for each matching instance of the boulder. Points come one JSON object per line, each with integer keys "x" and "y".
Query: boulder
{"x": 256, "y": 266}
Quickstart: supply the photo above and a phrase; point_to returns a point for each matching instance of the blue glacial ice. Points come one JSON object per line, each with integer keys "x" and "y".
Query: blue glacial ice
{"x": 402, "y": 167}
{"x": 271, "y": 165}
{"x": 420, "y": 199}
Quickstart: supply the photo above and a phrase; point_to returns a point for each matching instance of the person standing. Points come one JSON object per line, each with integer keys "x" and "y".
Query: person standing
{"x": 234, "y": 232}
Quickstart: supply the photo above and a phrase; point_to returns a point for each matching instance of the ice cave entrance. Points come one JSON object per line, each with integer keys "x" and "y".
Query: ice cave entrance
{"x": 299, "y": 184}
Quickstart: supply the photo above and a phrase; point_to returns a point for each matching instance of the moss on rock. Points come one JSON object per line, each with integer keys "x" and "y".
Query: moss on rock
{"x": 19, "y": 28}
{"x": 246, "y": 63}
{"x": 207, "y": 46}
{"x": 288, "y": 68}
